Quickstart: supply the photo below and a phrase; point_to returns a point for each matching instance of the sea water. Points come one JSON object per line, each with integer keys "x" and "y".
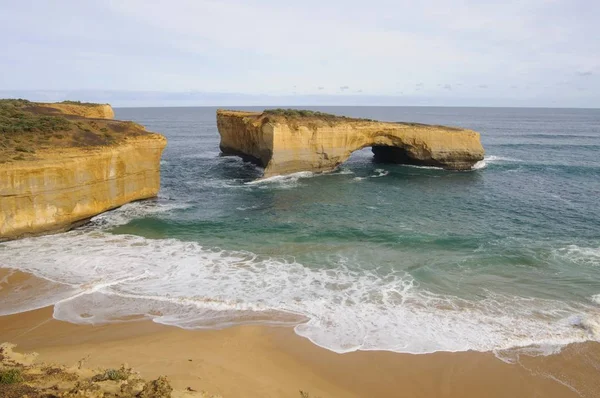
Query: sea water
{"x": 369, "y": 257}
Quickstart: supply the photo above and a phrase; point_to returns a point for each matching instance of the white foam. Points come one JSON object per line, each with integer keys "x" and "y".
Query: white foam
{"x": 380, "y": 173}
{"x": 596, "y": 298}
{"x": 587, "y": 256}
{"x": 134, "y": 210}
{"x": 245, "y": 208}
{"x": 343, "y": 171}
{"x": 495, "y": 159}
{"x": 414, "y": 166}
{"x": 282, "y": 181}
{"x": 479, "y": 165}
{"x": 116, "y": 277}
{"x": 482, "y": 164}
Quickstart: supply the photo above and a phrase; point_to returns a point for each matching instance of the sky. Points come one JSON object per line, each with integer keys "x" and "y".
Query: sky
{"x": 310, "y": 52}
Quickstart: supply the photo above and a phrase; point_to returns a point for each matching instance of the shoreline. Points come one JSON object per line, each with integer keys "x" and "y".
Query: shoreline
{"x": 272, "y": 361}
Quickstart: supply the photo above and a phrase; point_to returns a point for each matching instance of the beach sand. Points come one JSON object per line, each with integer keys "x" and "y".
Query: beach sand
{"x": 267, "y": 361}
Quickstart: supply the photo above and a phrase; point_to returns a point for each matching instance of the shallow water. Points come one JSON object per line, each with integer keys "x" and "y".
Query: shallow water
{"x": 372, "y": 256}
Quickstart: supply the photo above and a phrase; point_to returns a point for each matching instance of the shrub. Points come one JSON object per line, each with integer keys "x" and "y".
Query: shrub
{"x": 10, "y": 376}
{"x": 14, "y": 118}
{"x": 68, "y": 102}
{"x": 300, "y": 113}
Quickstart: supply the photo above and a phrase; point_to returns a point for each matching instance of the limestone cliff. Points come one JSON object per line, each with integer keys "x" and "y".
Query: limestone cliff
{"x": 57, "y": 172}
{"x": 98, "y": 111}
{"x": 287, "y": 141}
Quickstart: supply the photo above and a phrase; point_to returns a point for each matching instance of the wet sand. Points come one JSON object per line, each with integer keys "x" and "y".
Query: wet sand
{"x": 267, "y": 361}
{"x": 260, "y": 361}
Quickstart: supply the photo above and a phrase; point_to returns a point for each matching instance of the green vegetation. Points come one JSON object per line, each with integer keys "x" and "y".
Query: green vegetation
{"x": 68, "y": 102}
{"x": 298, "y": 113}
{"x": 303, "y": 113}
{"x": 10, "y": 376}
{"x": 15, "y": 118}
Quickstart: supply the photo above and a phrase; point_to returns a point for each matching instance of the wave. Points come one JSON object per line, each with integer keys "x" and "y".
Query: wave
{"x": 343, "y": 171}
{"x": 414, "y": 166}
{"x": 482, "y": 164}
{"x": 293, "y": 180}
{"x": 282, "y": 181}
{"x": 132, "y": 211}
{"x": 498, "y": 159}
{"x": 380, "y": 173}
{"x": 117, "y": 277}
{"x": 587, "y": 256}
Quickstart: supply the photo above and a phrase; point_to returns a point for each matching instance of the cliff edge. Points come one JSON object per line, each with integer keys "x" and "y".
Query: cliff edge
{"x": 58, "y": 169}
{"x": 83, "y": 109}
{"x": 289, "y": 141}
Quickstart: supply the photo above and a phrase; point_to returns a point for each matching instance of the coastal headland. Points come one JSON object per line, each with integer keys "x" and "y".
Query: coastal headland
{"x": 285, "y": 141}
{"x": 62, "y": 163}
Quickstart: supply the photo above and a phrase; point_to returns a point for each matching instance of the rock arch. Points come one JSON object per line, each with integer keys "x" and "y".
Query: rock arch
{"x": 285, "y": 142}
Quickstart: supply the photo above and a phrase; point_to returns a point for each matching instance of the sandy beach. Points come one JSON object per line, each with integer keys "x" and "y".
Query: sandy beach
{"x": 259, "y": 361}
{"x": 316, "y": 199}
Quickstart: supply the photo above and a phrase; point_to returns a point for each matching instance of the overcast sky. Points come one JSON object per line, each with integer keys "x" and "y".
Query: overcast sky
{"x": 213, "y": 52}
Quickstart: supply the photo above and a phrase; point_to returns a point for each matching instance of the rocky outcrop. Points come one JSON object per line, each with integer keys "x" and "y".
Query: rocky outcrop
{"x": 54, "y": 180}
{"x": 287, "y": 141}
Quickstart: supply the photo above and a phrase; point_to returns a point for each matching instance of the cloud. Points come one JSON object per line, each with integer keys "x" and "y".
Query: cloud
{"x": 140, "y": 45}
{"x": 344, "y": 88}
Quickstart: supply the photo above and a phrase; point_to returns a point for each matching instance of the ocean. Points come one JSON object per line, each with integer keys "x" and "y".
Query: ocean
{"x": 369, "y": 257}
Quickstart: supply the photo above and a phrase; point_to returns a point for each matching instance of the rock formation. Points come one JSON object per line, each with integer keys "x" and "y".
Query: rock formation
{"x": 288, "y": 141}
{"x": 58, "y": 171}
{"x": 98, "y": 111}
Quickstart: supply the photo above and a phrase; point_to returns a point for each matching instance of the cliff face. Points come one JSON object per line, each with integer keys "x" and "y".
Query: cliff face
{"x": 64, "y": 187}
{"x": 242, "y": 134}
{"x": 292, "y": 141}
{"x": 57, "y": 171}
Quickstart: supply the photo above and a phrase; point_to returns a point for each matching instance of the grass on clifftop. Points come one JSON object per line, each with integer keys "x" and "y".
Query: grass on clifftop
{"x": 303, "y": 113}
{"x": 14, "y": 118}
{"x": 27, "y": 127}
{"x": 68, "y": 102}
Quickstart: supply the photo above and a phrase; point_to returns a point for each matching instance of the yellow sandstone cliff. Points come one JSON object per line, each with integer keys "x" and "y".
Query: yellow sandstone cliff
{"x": 52, "y": 180}
{"x": 288, "y": 141}
{"x": 98, "y": 111}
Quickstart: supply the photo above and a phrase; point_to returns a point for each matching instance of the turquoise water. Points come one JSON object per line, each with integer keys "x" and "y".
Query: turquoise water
{"x": 372, "y": 256}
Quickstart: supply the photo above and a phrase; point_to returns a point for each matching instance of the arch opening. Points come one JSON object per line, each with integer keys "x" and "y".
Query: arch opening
{"x": 399, "y": 155}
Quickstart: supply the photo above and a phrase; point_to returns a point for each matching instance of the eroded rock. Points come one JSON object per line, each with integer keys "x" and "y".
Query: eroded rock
{"x": 286, "y": 141}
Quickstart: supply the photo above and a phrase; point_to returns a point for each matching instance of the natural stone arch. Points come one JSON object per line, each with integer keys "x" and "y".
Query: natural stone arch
{"x": 285, "y": 143}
